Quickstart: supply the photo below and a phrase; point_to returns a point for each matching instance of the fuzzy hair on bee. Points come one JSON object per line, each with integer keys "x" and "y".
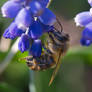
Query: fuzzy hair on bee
{"x": 54, "y": 49}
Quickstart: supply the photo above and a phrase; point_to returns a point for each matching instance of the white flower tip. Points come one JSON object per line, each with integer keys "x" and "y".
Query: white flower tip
{"x": 27, "y": 7}
{"x": 89, "y": 1}
{"x": 21, "y": 26}
{"x": 90, "y": 10}
{"x": 76, "y": 21}
{"x": 3, "y": 13}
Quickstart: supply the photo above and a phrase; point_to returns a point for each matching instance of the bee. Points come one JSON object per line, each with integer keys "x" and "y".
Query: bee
{"x": 56, "y": 48}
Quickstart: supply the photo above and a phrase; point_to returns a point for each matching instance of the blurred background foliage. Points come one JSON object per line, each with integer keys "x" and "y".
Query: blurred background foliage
{"x": 75, "y": 74}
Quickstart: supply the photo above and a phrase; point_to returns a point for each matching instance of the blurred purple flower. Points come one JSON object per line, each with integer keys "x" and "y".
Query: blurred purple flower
{"x": 84, "y": 19}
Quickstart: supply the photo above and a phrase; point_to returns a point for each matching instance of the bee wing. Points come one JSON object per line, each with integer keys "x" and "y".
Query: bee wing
{"x": 56, "y": 69}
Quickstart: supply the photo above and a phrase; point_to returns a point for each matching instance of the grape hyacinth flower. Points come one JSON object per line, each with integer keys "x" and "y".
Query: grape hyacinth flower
{"x": 36, "y": 8}
{"x": 10, "y": 9}
{"x": 84, "y": 19}
{"x": 35, "y": 30}
{"x": 13, "y": 31}
{"x": 24, "y": 18}
{"x": 36, "y": 48}
{"x": 24, "y": 43}
{"x": 31, "y": 19}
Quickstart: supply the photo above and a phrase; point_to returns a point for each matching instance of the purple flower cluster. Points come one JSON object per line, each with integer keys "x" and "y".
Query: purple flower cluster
{"x": 31, "y": 19}
{"x": 84, "y": 19}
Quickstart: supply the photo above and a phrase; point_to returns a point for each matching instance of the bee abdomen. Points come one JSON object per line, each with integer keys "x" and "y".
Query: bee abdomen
{"x": 41, "y": 65}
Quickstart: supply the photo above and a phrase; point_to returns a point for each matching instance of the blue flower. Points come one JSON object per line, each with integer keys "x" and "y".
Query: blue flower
{"x": 44, "y": 2}
{"x": 32, "y": 20}
{"x": 36, "y": 48}
{"x": 24, "y": 43}
{"x": 47, "y": 17}
{"x": 84, "y": 19}
{"x": 35, "y": 30}
{"x": 10, "y": 9}
{"x": 24, "y": 18}
{"x": 8, "y": 35}
{"x": 36, "y": 8}
{"x": 13, "y": 31}
{"x": 86, "y": 39}
{"x": 90, "y": 2}
{"x": 85, "y": 42}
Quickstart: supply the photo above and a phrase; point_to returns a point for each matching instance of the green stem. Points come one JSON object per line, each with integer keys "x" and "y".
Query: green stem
{"x": 9, "y": 57}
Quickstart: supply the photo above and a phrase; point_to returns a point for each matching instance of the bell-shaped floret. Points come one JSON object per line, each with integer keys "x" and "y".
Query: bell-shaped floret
{"x": 47, "y": 17}
{"x": 35, "y": 30}
{"x": 24, "y": 43}
{"x": 90, "y": 2}
{"x": 36, "y": 7}
{"x": 36, "y": 48}
{"x": 86, "y": 39}
{"x": 85, "y": 42}
{"x": 13, "y": 31}
{"x": 44, "y": 2}
{"x": 24, "y": 18}
{"x": 7, "y": 35}
{"x": 87, "y": 32}
{"x": 10, "y": 9}
{"x": 84, "y": 18}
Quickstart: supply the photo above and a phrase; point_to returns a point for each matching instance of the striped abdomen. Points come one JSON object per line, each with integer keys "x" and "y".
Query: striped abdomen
{"x": 42, "y": 63}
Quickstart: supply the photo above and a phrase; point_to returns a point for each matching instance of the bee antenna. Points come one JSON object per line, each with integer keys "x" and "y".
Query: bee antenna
{"x": 57, "y": 67}
{"x": 59, "y": 23}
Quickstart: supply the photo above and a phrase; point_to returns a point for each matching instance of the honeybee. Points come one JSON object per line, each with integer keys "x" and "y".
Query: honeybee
{"x": 57, "y": 45}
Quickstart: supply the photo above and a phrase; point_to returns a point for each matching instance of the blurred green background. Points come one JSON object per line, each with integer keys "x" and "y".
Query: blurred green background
{"x": 75, "y": 74}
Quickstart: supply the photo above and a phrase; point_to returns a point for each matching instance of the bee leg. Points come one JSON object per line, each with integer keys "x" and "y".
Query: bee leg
{"x": 56, "y": 68}
{"x": 26, "y": 58}
{"x": 48, "y": 51}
